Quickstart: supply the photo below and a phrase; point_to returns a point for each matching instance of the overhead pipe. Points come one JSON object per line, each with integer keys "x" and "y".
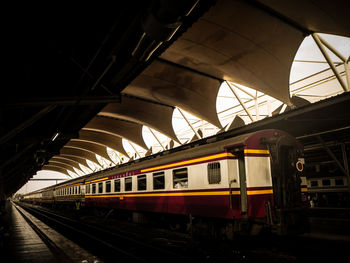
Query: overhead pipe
{"x": 160, "y": 25}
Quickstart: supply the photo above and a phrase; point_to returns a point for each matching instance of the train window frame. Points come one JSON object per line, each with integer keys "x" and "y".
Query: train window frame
{"x": 339, "y": 182}
{"x": 127, "y": 183}
{"x": 326, "y": 182}
{"x": 313, "y": 183}
{"x": 140, "y": 179}
{"x": 93, "y": 187}
{"x": 180, "y": 178}
{"x": 100, "y": 187}
{"x": 214, "y": 173}
{"x": 115, "y": 183}
{"x": 156, "y": 177}
{"x": 108, "y": 186}
{"x": 87, "y": 189}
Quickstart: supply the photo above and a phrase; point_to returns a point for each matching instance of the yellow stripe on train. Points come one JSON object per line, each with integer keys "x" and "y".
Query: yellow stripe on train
{"x": 256, "y": 151}
{"x": 249, "y": 192}
{"x": 192, "y": 161}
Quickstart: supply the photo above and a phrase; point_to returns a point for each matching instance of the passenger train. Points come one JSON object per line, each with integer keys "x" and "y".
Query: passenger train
{"x": 328, "y": 191}
{"x": 238, "y": 183}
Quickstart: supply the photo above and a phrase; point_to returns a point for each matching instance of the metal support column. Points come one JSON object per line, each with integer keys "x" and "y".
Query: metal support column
{"x": 135, "y": 149}
{"x": 329, "y": 60}
{"x": 120, "y": 160}
{"x": 256, "y": 106}
{"x": 189, "y": 124}
{"x": 341, "y": 57}
{"x": 331, "y": 154}
{"x": 231, "y": 86}
{"x": 346, "y": 164}
{"x": 155, "y": 136}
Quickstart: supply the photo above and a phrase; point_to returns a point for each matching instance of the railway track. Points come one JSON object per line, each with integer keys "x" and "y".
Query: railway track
{"x": 107, "y": 245}
{"x": 126, "y": 246}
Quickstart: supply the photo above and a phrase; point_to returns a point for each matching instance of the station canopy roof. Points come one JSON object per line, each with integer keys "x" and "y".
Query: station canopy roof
{"x": 80, "y": 79}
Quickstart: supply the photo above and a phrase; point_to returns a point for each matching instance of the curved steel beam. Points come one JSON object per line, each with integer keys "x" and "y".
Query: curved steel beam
{"x": 66, "y": 160}
{"x": 112, "y": 141}
{"x": 154, "y": 115}
{"x": 56, "y": 169}
{"x": 128, "y": 130}
{"x": 80, "y": 153}
{"x": 63, "y": 165}
{"x": 90, "y": 146}
{"x": 77, "y": 159}
{"x": 170, "y": 84}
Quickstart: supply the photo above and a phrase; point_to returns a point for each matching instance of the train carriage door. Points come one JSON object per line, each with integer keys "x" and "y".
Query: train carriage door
{"x": 286, "y": 184}
{"x": 239, "y": 154}
{"x": 242, "y": 182}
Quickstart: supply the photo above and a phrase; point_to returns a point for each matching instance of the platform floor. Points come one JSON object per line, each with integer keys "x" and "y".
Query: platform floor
{"x": 24, "y": 244}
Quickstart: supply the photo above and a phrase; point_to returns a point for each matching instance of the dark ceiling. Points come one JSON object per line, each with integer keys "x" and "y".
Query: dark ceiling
{"x": 63, "y": 63}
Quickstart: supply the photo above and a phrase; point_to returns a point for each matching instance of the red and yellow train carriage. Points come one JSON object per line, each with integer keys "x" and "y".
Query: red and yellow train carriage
{"x": 249, "y": 177}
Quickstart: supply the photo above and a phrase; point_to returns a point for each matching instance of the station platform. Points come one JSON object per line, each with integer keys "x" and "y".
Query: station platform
{"x": 26, "y": 239}
{"x": 21, "y": 242}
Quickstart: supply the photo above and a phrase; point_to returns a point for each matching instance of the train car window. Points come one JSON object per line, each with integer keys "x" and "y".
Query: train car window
{"x": 326, "y": 182}
{"x": 100, "y": 187}
{"x": 117, "y": 185}
{"x": 87, "y": 189}
{"x": 141, "y": 182}
{"x": 180, "y": 178}
{"x": 79, "y": 189}
{"x": 108, "y": 186}
{"x": 94, "y": 188}
{"x": 158, "y": 181}
{"x": 214, "y": 173}
{"x": 314, "y": 183}
{"x": 339, "y": 182}
{"x": 128, "y": 184}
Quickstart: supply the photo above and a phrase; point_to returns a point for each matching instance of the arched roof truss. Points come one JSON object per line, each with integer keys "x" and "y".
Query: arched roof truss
{"x": 62, "y": 165}
{"x": 56, "y": 169}
{"x": 170, "y": 84}
{"x": 226, "y": 44}
{"x": 154, "y": 115}
{"x": 111, "y": 141}
{"x": 79, "y": 152}
{"x": 129, "y": 130}
{"x": 90, "y": 146}
{"x": 77, "y": 159}
{"x": 66, "y": 160}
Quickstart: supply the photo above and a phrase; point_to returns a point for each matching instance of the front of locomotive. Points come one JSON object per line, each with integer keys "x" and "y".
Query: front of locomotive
{"x": 287, "y": 213}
